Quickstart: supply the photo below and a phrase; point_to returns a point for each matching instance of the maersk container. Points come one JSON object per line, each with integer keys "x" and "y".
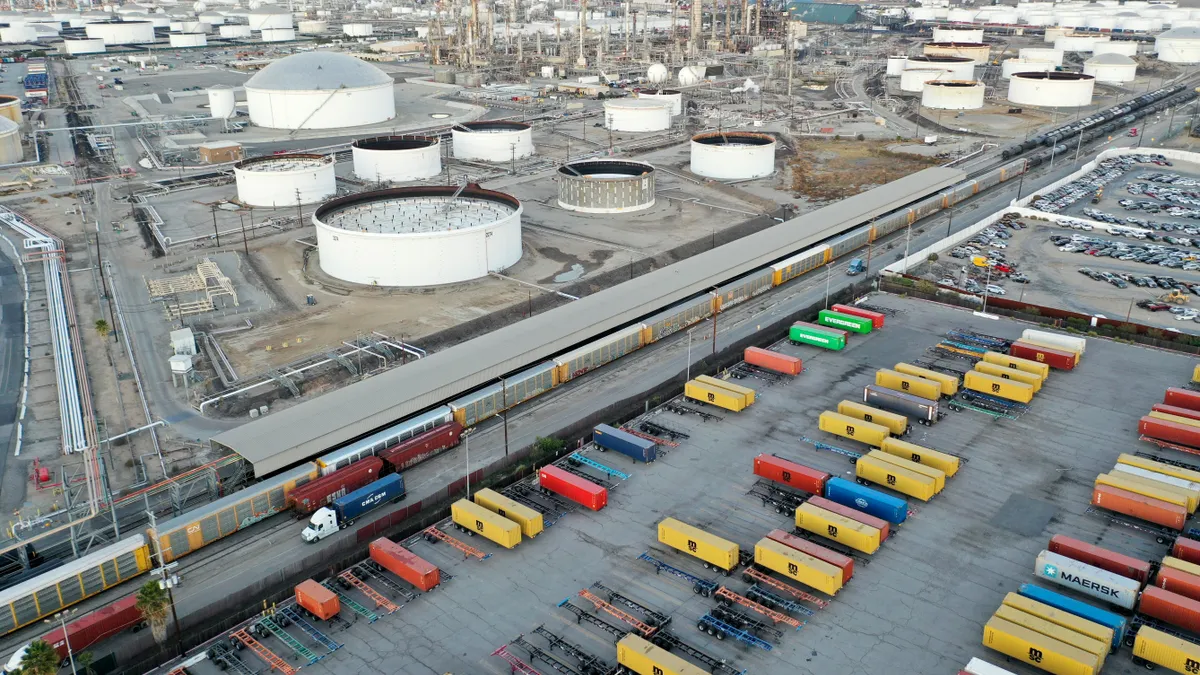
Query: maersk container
{"x": 804, "y": 335}
{"x": 1116, "y": 622}
{"x": 353, "y": 505}
{"x": 854, "y": 324}
{"x": 915, "y": 408}
{"x": 636, "y": 447}
{"x": 1087, "y": 579}
{"x": 867, "y": 500}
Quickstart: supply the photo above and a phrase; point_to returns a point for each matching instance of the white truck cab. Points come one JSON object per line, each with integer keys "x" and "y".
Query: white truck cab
{"x": 323, "y": 523}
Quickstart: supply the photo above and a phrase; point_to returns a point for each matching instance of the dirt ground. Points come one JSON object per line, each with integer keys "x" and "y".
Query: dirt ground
{"x": 825, "y": 170}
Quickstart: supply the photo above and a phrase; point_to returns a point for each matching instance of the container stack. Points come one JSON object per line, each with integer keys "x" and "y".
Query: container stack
{"x": 1148, "y": 490}
{"x": 721, "y": 393}
{"x": 1061, "y": 352}
{"x": 1175, "y": 422}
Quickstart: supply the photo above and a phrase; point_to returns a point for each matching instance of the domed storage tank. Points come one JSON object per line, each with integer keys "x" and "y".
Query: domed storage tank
{"x": 1051, "y": 90}
{"x": 606, "y": 186}
{"x": 733, "y": 155}
{"x": 281, "y": 180}
{"x": 222, "y": 103}
{"x": 956, "y": 67}
{"x": 499, "y": 141}
{"x": 637, "y": 115}
{"x": 396, "y": 158}
{"x": 952, "y": 95}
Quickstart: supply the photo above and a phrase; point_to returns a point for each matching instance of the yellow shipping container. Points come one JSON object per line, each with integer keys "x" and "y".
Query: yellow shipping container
{"x": 798, "y": 566}
{"x": 938, "y": 476}
{"x": 1159, "y": 467}
{"x": 1037, "y": 650}
{"x": 839, "y": 528}
{"x": 722, "y": 398}
{"x": 897, "y": 424}
{"x": 747, "y": 392}
{"x": 948, "y": 382}
{"x": 899, "y": 479}
{"x": 1174, "y": 418}
{"x": 475, "y": 518}
{"x": 848, "y": 427}
{"x": 1060, "y": 617}
{"x": 1168, "y": 651}
{"x": 1196, "y": 373}
{"x": 1150, "y": 488}
{"x": 711, "y": 549}
{"x": 1181, "y": 565}
{"x": 909, "y": 384}
{"x": 643, "y": 658}
{"x": 530, "y": 521}
{"x": 997, "y": 386}
{"x": 947, "y": 464}
{"x": 1052, "y": 630}
{"x": 1030, "y": 379}
{"x": 1017, "y": 363}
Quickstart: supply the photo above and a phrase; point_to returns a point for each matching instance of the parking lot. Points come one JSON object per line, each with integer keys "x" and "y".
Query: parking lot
{"x": 915, "y": 606}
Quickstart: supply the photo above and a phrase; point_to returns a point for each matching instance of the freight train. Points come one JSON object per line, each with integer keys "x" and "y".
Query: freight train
{"x": 415, "y": 439}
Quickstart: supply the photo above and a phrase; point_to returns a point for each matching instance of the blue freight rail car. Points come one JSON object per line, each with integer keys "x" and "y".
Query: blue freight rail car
{"x": 635, "y": 447}
{"x": 873, "y": 502}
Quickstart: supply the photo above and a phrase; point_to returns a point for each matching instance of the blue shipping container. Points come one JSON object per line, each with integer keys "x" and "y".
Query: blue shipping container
{"x": 364, "y": 499}
{"x": 638, "y": 448}
{"x": 873, "y": 502}
{"x": 1105, "y": 618}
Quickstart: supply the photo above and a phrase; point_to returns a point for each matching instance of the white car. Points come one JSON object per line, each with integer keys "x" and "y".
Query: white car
{"x": 995, "y": 290}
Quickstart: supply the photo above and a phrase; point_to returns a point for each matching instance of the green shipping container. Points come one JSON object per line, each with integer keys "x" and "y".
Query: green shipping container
{"x": 817, "y": 338}
{"x": 854, "y": 324}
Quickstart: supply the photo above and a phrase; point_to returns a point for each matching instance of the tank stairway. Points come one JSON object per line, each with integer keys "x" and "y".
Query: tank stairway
{"x": 598, "y": 466}
{"x": 380, "y": 601}
{"x": 656, "y": 439}
{"x": 276, "y": 630}
{"x": 515, "y": 662}
{"x": 699, "y": 586}
{"x": 368, "y": 570}
{"x": 603, "y": 605}
{"x": 763, "y": 596}
{"x": 752, "y": 574}
{"x": 303, "y": 624}
{"x": 715, "y": 626}
{"x": 778, "y": 617}
{"x": 268, "y": 656}
{"x": 435, "y": 533}
{"x": 371, "y": 617}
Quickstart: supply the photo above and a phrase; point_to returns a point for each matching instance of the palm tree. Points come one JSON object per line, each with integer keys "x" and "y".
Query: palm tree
{"x": 40, "y": 659}
{"x": 103, "y": 328}
{"x": 153, "y": 603}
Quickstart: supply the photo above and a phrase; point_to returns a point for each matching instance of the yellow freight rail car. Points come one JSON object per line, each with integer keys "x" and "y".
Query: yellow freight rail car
{"x": 837, "y": 527}
{"x": 712, "y": 550}
{"x": 643, "y": 658}
{"x": 1159, "y": 467}
{"x": 998, "y": 386}
{"x": 798, "y": 566}
{"x": 938, "y": 476}
{"x": 901, "y": 480}
{"x": 909, "y": 384}
{"x": 948, "y": 382}
{"x": 531, "y": 521}
{"x": 720, "y": 397}
{"x": 947, "y": 464}
{"x": 738, "y": 389}
{"x": 854, "y": 429}
{"x": 1017, "y": 363}
{"x": 1030, "y": 379}
{"x": 1061, "y": 618}
{"x": 1149, "y": 488}
{"x": 897, "y": 424}
{"x": 1050, "y": 629}
{"x": 1154, "y": 646}
{"x": 478, "y": 520}
{"x": 1037, "y": 650}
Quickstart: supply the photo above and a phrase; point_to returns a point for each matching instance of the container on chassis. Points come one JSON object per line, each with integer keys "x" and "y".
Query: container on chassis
{"x": 1037, "y": 650}
{"x": 1087, "y": 579}
{"x": 1117, "y": 563}
{"x": 884, "y": 527}
{"x": 1178, "y": 411}
{"x": 1059, "y": 360}
{"x": 998, "y": 386}
{"x": 1183, "y": 398}
{"x": 1162, "y": 649}
{"x": 1138, "y": 506}
{"x": 895, "y": 423}
{"x": 531, "y": 521}
{"x": 915, "y": 408}
{"x": 1065, "y": 619}
{"x": 1064, "y": 342}
{"x": 798, "y": 566}
{"x": 947, "y": 464}
{"x": 718, "y": 396}
{"x": 851, "y": 428}
{"x": 949, "y": 383}
{"x": 773, "y": 361}
{"x": 806, "y": 334}
{"x": 1178, "y": 581}
{"x": 423, "y": 446}
{"x": 1118, "y": 623}
{"x": 842, "y": 562}
{"x": 876, "y": 318}
{"x": 322, "y": 491}
{"x": 895, "y": 477}
{"x": 318, "y": 600}
{"x": 1171, "y": 432}
{"x": 908, "y": 384}
{"x": 579, "y": 490}
{"x": 405, "y": 564}
{"x": 710, "y": 549}
{"x": 618, "y": 440}
{"x": 854, "y": 324}
{"x": 790, "y": 473}
{"x": 477, "y": 520}
{"x": 865, "y": 499}
{"x": 1098, "y": 648}
{"x": 1016, "y": 363}
{"x": 1186, "y": 549}
{"x": 1173, "y": 608}
{"x": 838, "y": 528}
{"x": 1030, "y": 379}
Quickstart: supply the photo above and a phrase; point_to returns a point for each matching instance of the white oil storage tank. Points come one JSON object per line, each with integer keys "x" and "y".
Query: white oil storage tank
{"x": 1111, "y": 68}
{"x": 956, "y": 67}
{"x": 733, "y": 155}
{"x": 83, "y": 46}
{"x": 671, "y": 97}
{"x": 606, "y": 186}
{"x": 188, "y": 40}
{"x": 498, "y": 141}
{"x": 418, "y": 236}
{"x": 957, "y": 34}
{"x": 1051, "y": 90}
{"x": 396, "y": 158}
{"x": 1010, "y": 66}
{"x": 285, "y": 180}
{"x": 895, "y": 65}
{"x": 952, "y": 95}
{"x": 121, "y": 32}
{"x": 319, "y": 90}
{"x": 222, "y": 103}
{"x": 636, "y": 114}
{"x": 1178, "y": 45}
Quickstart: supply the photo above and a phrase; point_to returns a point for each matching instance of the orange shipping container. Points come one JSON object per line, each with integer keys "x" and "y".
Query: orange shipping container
{"x": 1139, "y": 506}
{"x": 318, "y": 600}
{"x": 405, "y": 564}
{"x": 780, "y": 363}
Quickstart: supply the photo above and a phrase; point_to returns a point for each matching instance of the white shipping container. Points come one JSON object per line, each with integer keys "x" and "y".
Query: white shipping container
{"x": 1073, "y": 344}
{"x": 1160, "y": 477}
{"x": 981, "y": 667}
{"x": 1093, "y": 581}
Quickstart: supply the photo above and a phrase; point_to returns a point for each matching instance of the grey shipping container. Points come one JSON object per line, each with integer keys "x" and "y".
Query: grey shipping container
{"x": 920, "y": 410}
{"x": 636, "y": 447}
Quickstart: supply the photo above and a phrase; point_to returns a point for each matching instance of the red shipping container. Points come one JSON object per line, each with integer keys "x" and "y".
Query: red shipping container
{"x": 578, "y": 490}
{"x": 875, "y": 317}
{"x": 1139, "y": 506}
{"x": 313, "y": 495}
{"x": 1177, "y": 581}
{"x": 320, "y": 601}
{"x": 1186, "y": 549}
{"x": 1176, "y": 411}
{"x": 815, "y": 550}
{"x": 1184, "y": 398}
{"x": 791, "y": 474}
{"x": 1172, "y": 432}
{"x": 828, "y": 329}
{"x": 883, "y": 526}
{"x": 780, "y": 363}
{"x": 1172, "y": 608}
{"x": 1051, "y": 357}
{"x": 95, "y": 627}
{"x": 405, "y": 564}
{"x": 1103, "y": 558}
{"x": 422, "y": 446}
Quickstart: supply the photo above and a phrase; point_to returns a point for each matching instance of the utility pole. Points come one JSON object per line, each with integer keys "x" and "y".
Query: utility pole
{"x": 215, "y": 232}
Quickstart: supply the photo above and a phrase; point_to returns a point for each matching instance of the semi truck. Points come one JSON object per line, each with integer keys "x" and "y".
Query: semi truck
{"x": 342, "y": 511}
